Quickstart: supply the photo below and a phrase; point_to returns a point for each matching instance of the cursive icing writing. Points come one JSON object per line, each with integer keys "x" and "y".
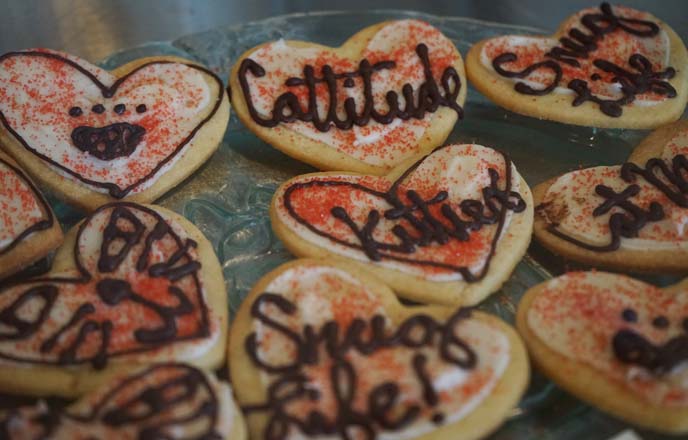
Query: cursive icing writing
{"x": 417, "y": 226}
{"x": 644, "y": 80}
{"x": 104, "y": 289}
{"x": 579, "y": 45}
{"x": 162, "y": 401}
{"x": 629, "y": 218}
{"x": 287, "y": 108}
{"x": 365, "y": 337}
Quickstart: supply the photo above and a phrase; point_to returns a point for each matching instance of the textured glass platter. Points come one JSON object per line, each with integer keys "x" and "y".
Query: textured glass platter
{"x": 228, "y": 198}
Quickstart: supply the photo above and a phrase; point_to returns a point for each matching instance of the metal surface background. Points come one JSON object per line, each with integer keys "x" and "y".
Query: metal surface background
{"x": 96, "y": 28}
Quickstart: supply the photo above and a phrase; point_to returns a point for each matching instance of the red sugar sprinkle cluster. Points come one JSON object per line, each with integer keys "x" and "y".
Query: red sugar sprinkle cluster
{"x": 40, "y": 91}
{"x": 19, "y": 206}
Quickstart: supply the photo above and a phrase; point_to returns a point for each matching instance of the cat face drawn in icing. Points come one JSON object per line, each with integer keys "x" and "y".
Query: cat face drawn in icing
{"x": 629, "y": 332}
{"x": 631, "y": 347}
{"x": 113, "y": 135}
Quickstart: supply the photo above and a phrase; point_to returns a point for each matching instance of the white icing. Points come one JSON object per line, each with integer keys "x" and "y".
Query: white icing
{"x": 19, "y": 208}
{"x": 85, "y": 418}
{"x": 177, "y": 98}
{"x": 656, "y": 49}
{"x": 578, "y": 314}
{"x": 125, "y": 316}
{"x": 576, "y": 192}
{"x": 461, "y": 170}
{"x": 318, "y": 291}
{"x": 374, "y": 136}
{"x": 384, "y": 144}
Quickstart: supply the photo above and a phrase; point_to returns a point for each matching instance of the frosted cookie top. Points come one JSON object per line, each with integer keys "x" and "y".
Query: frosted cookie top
{"x": 613, "y": 56}
{"x": 427, "y": 371}
{"x": 135, "y": 291}
{"x": 441, "y": 219}
{"x": 23, "y": 211}
{"x": 632, "y": 332}
{"x": 112, "y": 135}
{"x": 375, "y": 107}
{"x": 172, "y": 401}
{"x": 624, "y": 207}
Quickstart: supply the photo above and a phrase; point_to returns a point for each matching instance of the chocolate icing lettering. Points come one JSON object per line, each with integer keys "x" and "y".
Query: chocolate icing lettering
{"x": 426, "y": 228}
{"x": 288, "y": 109}
{"x": 102, "y": 292}
{"x": 291, "y": 385}
{"x": 580, "y": 45}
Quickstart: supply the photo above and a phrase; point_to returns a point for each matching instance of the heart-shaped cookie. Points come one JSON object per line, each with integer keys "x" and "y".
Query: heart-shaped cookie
{"x": 96, "y": 136}
{"x": 28, "y": 229}
{"x": 393, "y": 90}
{"x": 445, "y": 228}
{"x": 131, "y": 285}
{"x": 318, "y": 350}
{"x": 170, "y": 401}
{"x": 628, "y": 217}
{"x": 610, "y": 66}
{"x": 614, "y": 341}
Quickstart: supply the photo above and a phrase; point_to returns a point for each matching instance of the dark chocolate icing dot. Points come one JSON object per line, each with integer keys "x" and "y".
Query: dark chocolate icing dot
{"x": 660, "y": 322}
{"x": 115, "y": 189}
{"x": 98, "y": 108}
{"x": 75, "y": 112}
{"x": 629, "y": 315}
{"x": 438, "y": 418}
{"x": 595, "y": 77}
{"x": 349, "y": 82}
{"x": 141, "y": 108}
{"x": 120, "y": 108}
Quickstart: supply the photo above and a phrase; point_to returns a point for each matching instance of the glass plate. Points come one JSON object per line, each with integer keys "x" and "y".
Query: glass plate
{"x": 228, "y": 197}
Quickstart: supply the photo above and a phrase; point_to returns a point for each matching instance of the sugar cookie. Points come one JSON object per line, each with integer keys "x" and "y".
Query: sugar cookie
{"x": 317, "y": 350}
{"x": 444, "y": 228}
{"x": 393, "y": 90}
{"x": 610, "y": 66}
{"x": 95, "y": 136}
